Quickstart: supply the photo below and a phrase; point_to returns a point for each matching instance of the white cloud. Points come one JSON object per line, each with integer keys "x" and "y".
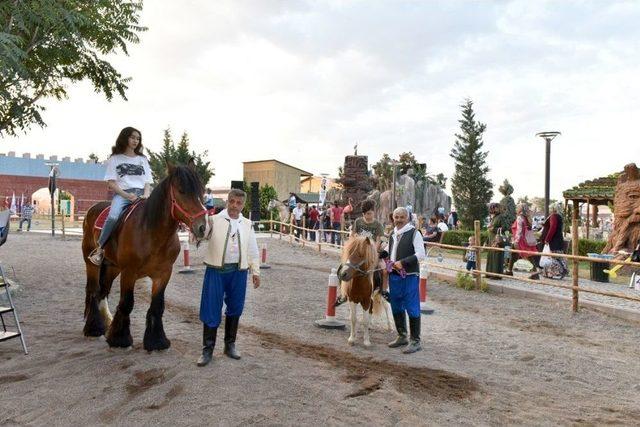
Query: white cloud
{"x": 303, "y": 81}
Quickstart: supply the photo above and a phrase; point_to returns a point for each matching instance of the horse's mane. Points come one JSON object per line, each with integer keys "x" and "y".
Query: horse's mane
{"x": 156, "y": 206}
{"x": 362, "y": 247}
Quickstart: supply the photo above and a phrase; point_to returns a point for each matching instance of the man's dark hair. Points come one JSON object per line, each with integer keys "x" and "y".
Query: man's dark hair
{"x": 367, "y": 205}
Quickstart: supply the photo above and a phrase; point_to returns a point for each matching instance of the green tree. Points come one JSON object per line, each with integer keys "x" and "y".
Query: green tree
{"x": 178, "y": 155}
{"x": 383, "y": 172}
{"x": 47, "y": 44}
{"x": 470, "y": 186}
{"x": 524, "y": 200}
{"x": 440, "y": 180}
{"x": 94, "y": 157}
{"x": 508, "y": 205}
{"x": 267, "y": 193}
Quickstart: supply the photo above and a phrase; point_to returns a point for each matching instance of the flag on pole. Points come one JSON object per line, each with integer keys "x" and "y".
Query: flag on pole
{"x": 52, "y": 181}
{"x": 13, "y": 203}
{"x": 21, "y": 204}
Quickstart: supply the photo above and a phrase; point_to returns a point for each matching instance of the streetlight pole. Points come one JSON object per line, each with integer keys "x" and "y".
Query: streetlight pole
{"x": 548, "y": 137}
{"x": 393, "y": 186}
{"x": 52, "y": 191}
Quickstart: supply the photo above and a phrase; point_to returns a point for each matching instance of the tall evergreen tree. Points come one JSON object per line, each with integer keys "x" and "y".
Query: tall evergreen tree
{"x": 470, "y": 186}
{"x": 179, "y": 154}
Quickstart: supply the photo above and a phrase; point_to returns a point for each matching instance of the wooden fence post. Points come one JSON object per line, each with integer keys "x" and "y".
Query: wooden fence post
{"x": 476, "y": 229}
{"x": 303, "y": 232}
{"x": 63, "y": 230}
{"x": 271, "y": 224}
{"x": 574, "y": 251}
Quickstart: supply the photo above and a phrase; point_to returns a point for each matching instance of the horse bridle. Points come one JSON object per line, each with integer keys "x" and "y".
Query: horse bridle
{"x": 190, "y": 218}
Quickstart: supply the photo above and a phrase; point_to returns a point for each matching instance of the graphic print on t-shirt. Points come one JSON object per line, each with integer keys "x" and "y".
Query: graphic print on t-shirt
{"x": 124, "y": 169}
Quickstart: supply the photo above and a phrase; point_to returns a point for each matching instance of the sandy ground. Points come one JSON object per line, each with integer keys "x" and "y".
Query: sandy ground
{"x": 487, "y": 359}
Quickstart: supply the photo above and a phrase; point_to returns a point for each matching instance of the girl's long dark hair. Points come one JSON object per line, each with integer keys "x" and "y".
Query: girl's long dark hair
{"x": 123, "y": 142}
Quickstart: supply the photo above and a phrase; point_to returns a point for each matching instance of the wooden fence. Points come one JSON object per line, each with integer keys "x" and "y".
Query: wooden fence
{"x": 277, "y": 228}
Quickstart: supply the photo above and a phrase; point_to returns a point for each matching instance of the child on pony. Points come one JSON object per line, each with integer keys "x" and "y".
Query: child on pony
{"x": 368, "y": 226}
{"x": 128, "y": 175}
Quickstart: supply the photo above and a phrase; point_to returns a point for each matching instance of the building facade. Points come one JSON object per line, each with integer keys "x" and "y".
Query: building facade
{"x": 281, "y": 176}
{"x": 82, "y": 179}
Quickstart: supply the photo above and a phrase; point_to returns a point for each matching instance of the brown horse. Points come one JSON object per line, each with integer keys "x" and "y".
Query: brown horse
{"x": 144, "y": 245}
{"x": 359, "y": 260}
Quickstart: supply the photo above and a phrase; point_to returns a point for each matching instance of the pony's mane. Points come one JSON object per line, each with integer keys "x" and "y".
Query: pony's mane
{"x": 156, "y": 206}
{"x": 362, "y": 247}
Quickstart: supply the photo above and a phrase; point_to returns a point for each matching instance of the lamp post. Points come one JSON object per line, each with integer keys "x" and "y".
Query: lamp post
{"x": 394, "y": 163}
{"x": 52, "y": 190}
{"x": 548, "y": 137}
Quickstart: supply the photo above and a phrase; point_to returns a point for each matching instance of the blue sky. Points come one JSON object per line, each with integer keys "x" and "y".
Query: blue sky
{"x": 302, "y": 81}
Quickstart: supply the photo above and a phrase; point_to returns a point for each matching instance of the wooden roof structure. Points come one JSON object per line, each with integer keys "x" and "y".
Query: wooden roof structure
{"x": 599, "y": 191}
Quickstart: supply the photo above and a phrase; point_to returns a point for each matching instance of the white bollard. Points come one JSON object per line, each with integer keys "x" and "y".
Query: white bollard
{"x": 329, "y": 321}
{"x": 424, "y": 277}
{"x": 183, "y": 236}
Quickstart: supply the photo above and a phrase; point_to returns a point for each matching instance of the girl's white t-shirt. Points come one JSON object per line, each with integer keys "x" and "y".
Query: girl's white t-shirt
{"x": 128, "y": 172}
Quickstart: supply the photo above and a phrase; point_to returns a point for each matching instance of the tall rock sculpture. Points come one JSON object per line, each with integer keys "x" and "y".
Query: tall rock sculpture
{"x": 626, "y": 208}
{"x": 356, "y": 181}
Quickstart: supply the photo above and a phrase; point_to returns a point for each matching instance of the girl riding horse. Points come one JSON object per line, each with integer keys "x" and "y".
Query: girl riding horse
{"x": 129, "y": 177}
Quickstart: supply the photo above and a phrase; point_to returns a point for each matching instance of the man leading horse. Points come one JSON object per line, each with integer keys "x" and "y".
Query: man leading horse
{"x": 406, "y": 250}
{"x": 232, "y": 251}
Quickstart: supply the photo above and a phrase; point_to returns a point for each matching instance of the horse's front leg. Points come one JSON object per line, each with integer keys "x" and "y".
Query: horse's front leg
{"x": 366, "y": 319}
{"x": 352, "y": 312}
{"x": 154, "y": 336}
{"x": 119, "y": 334}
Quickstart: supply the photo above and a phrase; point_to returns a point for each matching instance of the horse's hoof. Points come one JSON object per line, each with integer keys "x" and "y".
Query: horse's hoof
{"x": 351, "y": 341}
{"x": 120, "y": 342}
{"x": 367, "y": 344}
{"x": 162, "y": 344}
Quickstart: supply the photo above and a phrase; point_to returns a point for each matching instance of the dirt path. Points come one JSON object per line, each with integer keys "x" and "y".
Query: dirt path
{"x": 488, "y": 359}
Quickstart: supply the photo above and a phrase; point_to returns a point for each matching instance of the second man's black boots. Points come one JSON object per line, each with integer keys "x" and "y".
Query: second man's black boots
{"x": 414, "y": 341}
{"x": 401, "y": 326}
{"x": 230, "y": 332}
{"x": 208, "y": 342}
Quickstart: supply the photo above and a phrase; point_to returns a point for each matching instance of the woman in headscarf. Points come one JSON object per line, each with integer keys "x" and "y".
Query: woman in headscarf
{"x": 519, "y": 230}
{"x": 495, "y": 259}
{"x": 552, "y": 236}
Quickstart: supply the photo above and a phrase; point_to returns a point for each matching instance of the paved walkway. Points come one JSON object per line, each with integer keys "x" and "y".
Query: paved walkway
{"x": 614, "y": 303}
{"x": 517, "y": 284}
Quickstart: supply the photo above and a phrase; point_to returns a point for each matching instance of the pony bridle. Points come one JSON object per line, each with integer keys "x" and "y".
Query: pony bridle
{"x": 188, "y": 218}
{"x": 356, "y": 267}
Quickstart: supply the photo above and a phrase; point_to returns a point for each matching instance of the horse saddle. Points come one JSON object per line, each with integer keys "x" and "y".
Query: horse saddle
{"x": 102, "y": 217}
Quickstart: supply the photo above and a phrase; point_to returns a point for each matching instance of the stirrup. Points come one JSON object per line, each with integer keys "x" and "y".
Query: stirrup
{"x": 339, "y": 301}
{"x": 96, "y": 256}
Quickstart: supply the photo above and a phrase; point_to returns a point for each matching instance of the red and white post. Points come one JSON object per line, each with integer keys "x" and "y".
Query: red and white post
{"x": 330, "y": 321}
{"x": 424, "y": 278}
{"x": 263, "y": 257}
{"x": 183, "y": 236}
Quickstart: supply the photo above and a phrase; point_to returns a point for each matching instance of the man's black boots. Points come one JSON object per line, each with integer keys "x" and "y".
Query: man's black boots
{"x": 401, "y": 326}
{"x": 414, "y": 343}
{"x": 208, "y": 342}
{"x": 230, "y": 332}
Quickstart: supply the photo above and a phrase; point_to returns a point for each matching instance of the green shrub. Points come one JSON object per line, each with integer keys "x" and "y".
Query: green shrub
{"x": 461, "y": 237}
{"x": 586, "y": 246}
{"x": 484, "y": 286}
{"x": 465, "y": 281}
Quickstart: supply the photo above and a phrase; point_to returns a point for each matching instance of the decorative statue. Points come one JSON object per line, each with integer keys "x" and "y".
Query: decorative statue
{"x": 626, "y": 205}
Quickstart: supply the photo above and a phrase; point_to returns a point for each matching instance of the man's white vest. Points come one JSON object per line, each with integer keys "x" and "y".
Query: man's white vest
{"x": 217, "y": 248}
